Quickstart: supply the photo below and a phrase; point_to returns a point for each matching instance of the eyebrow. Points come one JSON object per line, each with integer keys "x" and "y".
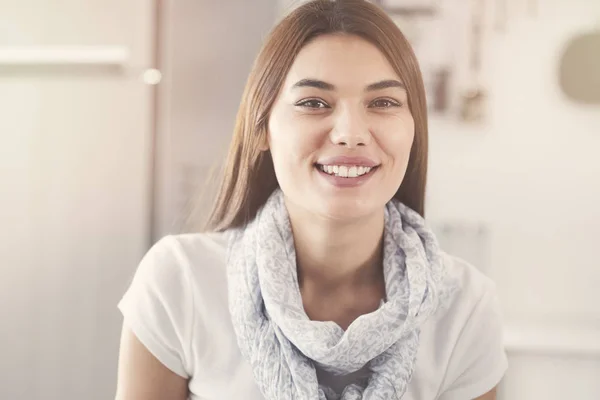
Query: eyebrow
{"x": 315, "y": 83}
{"x": 389, "y": 83}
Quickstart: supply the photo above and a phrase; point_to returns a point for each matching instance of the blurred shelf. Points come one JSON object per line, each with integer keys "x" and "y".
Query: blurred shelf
{"x": 552, "y": 340}
{"x": 409, "y": 9}
{"x": 411, "y": 12}
{"x": 115, "y": 56}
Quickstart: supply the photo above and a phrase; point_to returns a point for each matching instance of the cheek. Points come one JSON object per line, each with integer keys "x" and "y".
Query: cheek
{"x": 293, "y": 139}
{"x": 397, "y": 138}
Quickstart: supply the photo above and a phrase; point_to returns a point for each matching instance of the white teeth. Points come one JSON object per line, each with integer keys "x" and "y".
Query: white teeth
{"x": 345, "y": 171}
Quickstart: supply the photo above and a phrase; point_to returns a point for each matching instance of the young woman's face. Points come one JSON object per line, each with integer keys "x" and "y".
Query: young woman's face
{"x": 340, "y": 131}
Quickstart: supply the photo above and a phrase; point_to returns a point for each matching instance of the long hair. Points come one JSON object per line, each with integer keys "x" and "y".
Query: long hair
{"x": 249, "y": 177}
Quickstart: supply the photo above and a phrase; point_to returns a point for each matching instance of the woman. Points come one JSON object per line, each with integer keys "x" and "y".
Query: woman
{"x": 321, "y": 279}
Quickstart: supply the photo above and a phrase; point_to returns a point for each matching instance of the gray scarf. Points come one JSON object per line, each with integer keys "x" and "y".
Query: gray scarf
{"x": 283, "y": 345}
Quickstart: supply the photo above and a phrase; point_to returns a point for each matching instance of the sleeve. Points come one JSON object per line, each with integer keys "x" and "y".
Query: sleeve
{"x": 478, "y": 361}
{"x": 158, "y": 306}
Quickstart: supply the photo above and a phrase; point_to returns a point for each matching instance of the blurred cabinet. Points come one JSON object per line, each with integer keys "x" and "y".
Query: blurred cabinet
{"x": 198, "y": 99}
{"x": 75, "y": 159}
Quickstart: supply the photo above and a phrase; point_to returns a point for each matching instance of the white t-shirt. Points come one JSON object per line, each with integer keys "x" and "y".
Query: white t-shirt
{"x": 177, "y": 307}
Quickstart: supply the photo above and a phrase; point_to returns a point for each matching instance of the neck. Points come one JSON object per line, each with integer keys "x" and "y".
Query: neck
{"x": 333, "y": 255}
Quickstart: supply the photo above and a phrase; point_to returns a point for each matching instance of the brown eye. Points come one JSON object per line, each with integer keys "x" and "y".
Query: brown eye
{"x": 312, "y": 103}
{"x": 384, "y": 103}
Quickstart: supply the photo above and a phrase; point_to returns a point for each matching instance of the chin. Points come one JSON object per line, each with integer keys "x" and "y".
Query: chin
{"x": 347, "y": 208}
{"x": 346, "y": 205}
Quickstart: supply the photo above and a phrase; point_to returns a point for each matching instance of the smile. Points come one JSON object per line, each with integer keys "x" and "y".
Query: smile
{"x": 345, "y": 171}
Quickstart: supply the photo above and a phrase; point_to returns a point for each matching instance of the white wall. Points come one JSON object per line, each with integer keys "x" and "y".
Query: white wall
{"x": 532, "y": 174}
{"x": 531, "y": 171}
{"x": 74, "y": 196}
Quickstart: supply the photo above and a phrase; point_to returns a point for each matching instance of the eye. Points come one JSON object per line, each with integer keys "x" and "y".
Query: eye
{"x": 384, "y": 103}
{"x": 312, "y": 103}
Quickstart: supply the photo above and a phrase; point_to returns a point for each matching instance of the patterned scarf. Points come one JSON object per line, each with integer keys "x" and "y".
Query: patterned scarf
{"x": 283, "y": 345}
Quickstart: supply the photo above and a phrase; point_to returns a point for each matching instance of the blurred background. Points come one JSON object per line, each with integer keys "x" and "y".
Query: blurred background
{"x": 113, "y": 115}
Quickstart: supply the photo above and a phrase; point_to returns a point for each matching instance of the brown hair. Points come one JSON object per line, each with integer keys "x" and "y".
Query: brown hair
{"x": 249, "y": 178}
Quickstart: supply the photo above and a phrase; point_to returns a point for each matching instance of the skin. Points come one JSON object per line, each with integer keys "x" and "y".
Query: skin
{"x": 337, "y": 231}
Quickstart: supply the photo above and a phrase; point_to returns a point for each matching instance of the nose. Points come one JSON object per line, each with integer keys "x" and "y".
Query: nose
{"x": 350, "y": 128}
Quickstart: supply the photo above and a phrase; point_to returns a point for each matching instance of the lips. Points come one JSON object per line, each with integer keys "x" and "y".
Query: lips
{"x": 347, "y": 172}
{"x": 349, "y": 161}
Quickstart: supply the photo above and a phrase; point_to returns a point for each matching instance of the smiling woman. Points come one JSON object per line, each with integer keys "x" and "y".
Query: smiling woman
{"x": 316, "y": 81}
{"x": 319, "y": 278}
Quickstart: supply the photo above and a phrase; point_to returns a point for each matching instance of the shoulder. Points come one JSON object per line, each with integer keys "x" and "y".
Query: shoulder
{"x": 166, "y": 298}
{"x": 465, "y": 338}
{"x": 471, "y": 305}
{"x": 198, "y": 247}
{"x": 173, "y": 268}
{"x": 177, "y": 253}
{"x": 471, "y": 286}
{"x": 191, "y": 245}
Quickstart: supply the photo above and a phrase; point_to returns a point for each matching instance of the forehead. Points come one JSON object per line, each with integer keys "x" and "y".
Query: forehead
{"x": 343, "y": 60}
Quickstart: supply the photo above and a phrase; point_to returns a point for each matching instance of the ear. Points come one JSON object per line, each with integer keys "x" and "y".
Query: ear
{"x": 263, "y": 144}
